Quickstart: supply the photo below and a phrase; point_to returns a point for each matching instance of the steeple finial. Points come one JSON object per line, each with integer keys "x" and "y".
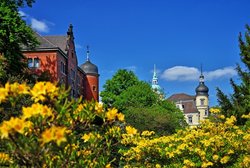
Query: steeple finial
{"x": 87, "y": 52}
{"x": 201, "y": 76}
{"x": 154, "y": 70}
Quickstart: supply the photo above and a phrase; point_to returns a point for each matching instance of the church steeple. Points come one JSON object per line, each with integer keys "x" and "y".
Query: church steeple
{"x": 202, "y": 89}
{"x": 155, "y": 85}
{"x": 155, "y": 78}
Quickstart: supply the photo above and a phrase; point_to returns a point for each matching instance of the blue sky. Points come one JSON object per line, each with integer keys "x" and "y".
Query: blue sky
{"x": 176, "y": 35}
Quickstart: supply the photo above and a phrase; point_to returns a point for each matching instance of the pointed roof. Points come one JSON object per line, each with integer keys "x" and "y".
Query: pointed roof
{"x": 88, "y": 67}
{"x": 201, "y": 89}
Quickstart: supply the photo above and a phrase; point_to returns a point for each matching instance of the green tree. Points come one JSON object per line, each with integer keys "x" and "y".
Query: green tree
{"x": 14, "y": 33}
{"x": 143, "y": 108}
{"x": 238, "y": 103}
{"x": 139, "y": 95}
{"x": 163, "y": 118}
{"x": 115, "y": 86}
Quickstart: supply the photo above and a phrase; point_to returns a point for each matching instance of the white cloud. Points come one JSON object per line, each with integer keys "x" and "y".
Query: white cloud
{"x": 22, "y": 14}
{"x": 180, "y": 73}
{"x": 184, "y": 73}
{"x": 219, "y": 73}
{"x": 39, "y": 26}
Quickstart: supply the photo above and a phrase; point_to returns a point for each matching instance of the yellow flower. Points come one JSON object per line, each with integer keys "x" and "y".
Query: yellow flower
{"x": 214, "y": 110}
{"x": 188, "y": 163}
{"x": 38, "y": 92}
{"x": 120, "y": 117}
{"x": 23, "y": 89}
{"x": 36, "y": 109}
{"x": 131, "y": 130}
{"x": 86, "y": 137}
{"x": 46, "y": 111}
{"x": 59, "y": 135}
{"x": 231, "y": 120}
{"x": 215, "y": 157}
{"x": 230, "y": 152}
{"x": 246, "y": 161}
{"x": 3, "y": 94}
{"x": 147, "y": 133}
{"x": 4, "y": 157}
{"x": 111, "y": 114}
{"x": 51, "y": 88}
{"x": 221, "y": 116}
{"x": 54, "y": 134}
{"x": 4, "y": 130}
{"x": 207, "y": 164}
{"x": 17, "y": 124}
{"x": 225, "y": 159}
{"x": 157, "y": 166}
{"x": 47, "y": 136}
{"x": 108, "y": 166}
{"x": 246, "y": 116}
{"x": 98, "y": 107}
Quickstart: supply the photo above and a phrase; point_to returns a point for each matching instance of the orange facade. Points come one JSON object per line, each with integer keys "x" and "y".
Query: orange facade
{"x": 56, "y": 55}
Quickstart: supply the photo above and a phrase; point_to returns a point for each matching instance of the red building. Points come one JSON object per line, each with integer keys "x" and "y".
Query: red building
{"x": 57, "y": 56}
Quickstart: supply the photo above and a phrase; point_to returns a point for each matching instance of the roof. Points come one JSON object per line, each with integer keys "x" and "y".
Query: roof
{"x": 89, "y": 68}
{"x": 51, "y": 42}
{"x": 187, "y": 102}
{"x": 181, "y": 97}
{"x": 58, "y": 41}
{"x": 202, "y": 89}
{"x": 189, "y": 107}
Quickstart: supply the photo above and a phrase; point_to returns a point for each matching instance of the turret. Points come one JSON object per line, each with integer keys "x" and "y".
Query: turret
{"x": 202, "y": 102}
{"x": 92, "y": 79}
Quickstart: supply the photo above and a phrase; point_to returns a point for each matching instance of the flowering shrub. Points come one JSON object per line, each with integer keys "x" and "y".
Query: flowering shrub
{"x": 56, "y": 132}
{"x": 213, "y": 144}
{"x": 52, "y": 131}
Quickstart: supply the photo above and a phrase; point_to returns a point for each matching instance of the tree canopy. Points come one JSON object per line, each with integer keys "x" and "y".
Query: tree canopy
{"x": 238, "y": 103}
{"x": 143, "y": 108}
{"x": 14, "y": 33}
{"x": 115, "y": 86}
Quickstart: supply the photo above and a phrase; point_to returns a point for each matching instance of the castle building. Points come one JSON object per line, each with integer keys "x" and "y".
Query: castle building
{"x": 56, "y": 55}
{"x": 195, "y": 108}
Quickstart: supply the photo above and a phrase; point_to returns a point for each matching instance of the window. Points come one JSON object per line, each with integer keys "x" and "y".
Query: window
{"x": 206, "y": 112}
{"x": 202, "y": 101}
{"x": 73, "y": 74}
{"x": 190, "y": 119}
{"x": 94, "y": 88}
{"x": 33, "y": 62}
{"x": 62, "y": 68}
{"x": 36, "y": 62}
{"x": 30, "y": 62}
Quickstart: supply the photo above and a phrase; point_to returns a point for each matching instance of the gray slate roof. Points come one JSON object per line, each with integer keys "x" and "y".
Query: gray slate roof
{"x": 51, "y": 42}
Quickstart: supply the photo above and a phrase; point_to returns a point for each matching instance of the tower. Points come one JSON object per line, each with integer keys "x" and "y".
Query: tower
{"x": 201, "y": 98}
{"x": 155, "y": 86}
{"x": 91, "y": 82}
